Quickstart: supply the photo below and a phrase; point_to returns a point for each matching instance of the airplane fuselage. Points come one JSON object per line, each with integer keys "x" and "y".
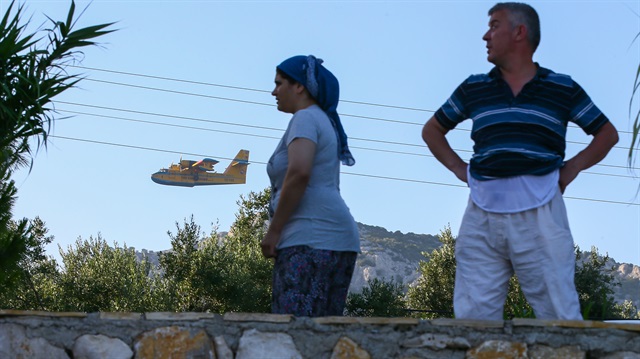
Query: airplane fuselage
{"x": 194, "y": 179}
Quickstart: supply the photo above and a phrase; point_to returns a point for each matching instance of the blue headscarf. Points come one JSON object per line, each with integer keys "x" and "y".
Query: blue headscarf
{"x": 324, "y": 88}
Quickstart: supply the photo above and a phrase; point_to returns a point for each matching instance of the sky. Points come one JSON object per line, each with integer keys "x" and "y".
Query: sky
{"x": 192, "y": 79}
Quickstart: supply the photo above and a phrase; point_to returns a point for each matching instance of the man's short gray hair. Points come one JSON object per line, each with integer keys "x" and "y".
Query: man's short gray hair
{"x": 522, "y": 14}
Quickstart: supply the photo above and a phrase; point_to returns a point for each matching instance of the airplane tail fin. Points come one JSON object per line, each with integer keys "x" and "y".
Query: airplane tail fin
{"x": 238, "y": 167}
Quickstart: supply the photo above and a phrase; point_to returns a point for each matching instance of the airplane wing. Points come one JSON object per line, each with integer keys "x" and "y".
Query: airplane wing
{"x": 186, "y": 163}
{"x": 205, "y": 164}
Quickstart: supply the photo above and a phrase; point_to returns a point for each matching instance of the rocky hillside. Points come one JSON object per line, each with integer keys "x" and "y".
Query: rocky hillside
{"x": 390, "y": 255}
{"x": 629, "y": 277}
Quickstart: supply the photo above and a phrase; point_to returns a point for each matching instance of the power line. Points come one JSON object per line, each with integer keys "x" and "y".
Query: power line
{"x": 172, "y": 125}
{"x": 181, "y": 92}
{"x": 277, "y": 138}
{"x": 266, "y": 91}
{"x": 239, "y": 133}
{"x": 272, "y": 105}
{"x": 241, "y": 88}
{"x": 212, "y": 121}
{"x": 347, "y": 173}
{"x": 239, "y": 100}
{"x": 269, "y": 128}
{"x": 257, "y": 127}
{"x": 167, "y": 115}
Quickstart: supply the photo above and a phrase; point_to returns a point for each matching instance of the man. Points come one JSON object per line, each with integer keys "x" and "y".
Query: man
{"x": 515, "y": 219}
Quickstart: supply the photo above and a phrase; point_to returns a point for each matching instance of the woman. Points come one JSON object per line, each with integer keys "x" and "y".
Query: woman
{"x": 312, "y": 234}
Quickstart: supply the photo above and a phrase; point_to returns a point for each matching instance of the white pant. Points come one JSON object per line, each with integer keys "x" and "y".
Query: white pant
{"x": 536, "y": 244}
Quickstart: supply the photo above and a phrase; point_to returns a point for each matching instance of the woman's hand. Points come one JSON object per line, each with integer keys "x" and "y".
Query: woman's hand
{"x": 269, "y": 243}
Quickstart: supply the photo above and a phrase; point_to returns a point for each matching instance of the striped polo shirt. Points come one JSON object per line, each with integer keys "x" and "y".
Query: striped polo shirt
{"x": 521, "y": 135}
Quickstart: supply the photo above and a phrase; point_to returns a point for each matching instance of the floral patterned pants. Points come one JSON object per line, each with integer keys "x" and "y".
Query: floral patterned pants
{"x": 311, "y": 282}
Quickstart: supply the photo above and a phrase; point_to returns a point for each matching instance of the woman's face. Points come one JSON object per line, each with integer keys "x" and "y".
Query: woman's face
{"x": 285, "y": 94}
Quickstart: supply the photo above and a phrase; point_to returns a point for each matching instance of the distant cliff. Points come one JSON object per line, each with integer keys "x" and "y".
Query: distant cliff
{"x": 390, "y": 255}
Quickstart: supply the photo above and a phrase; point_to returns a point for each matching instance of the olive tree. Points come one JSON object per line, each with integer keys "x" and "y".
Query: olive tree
{"x": 379, "y": 298}
{"x": 431, "y": 296}
{"x": 221, "y": 273}
{"x": 184, "y": 270}
{"x": 99, "y": 277}
{"x": 248, "y": 264}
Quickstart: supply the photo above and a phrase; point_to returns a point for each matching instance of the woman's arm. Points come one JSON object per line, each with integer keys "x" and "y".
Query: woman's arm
{"x": 301, "y": 152}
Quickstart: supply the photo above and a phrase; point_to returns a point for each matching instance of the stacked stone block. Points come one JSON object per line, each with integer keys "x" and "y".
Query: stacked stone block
{"x": 252, "y": 336}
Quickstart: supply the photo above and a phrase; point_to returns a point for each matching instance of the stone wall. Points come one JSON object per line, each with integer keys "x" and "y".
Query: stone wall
{"x": 251, "y": 336}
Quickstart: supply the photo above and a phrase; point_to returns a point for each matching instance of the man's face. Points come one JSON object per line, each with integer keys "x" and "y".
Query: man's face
{"x": 284, "y": 93}
{"x": 499, "y": 37}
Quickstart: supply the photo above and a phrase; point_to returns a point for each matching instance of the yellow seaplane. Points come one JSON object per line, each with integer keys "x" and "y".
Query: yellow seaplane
{"x": 189, "y": 173}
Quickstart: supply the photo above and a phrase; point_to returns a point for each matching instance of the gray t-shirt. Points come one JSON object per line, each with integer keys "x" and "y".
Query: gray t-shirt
{"x": 322, "y": 219}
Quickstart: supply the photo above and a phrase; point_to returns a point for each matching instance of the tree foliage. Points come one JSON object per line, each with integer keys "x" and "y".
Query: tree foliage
{"x": 378, "y": 299}
{"x": 595, "y": 283}
{"x": 32, "y": 73}
{"x": 516, "y": 305}
{"x": 432, "y": 293}
{"x": 35, "y": 273}
{"x": 222, "y": 273}
{"x": 627, "y": 310}
{"x": 98, "y": 277}
{"x": 248, "y": 265}
{"x": 199, "y": 273}
{"x": 179, "y": 267}
{"x": 13, "y": 236}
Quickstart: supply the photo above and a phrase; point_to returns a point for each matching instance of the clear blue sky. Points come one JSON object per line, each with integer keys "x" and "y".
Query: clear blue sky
{"x": 408, "y": 56}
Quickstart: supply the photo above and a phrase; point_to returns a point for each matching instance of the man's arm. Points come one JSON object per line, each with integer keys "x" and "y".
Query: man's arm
{"x": 433, "y": 135}
{"x": 602, "y": 142}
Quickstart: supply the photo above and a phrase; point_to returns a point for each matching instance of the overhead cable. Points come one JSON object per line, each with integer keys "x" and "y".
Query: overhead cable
{"x": 347, "y": 173}
{"x": 263, "y": 127}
